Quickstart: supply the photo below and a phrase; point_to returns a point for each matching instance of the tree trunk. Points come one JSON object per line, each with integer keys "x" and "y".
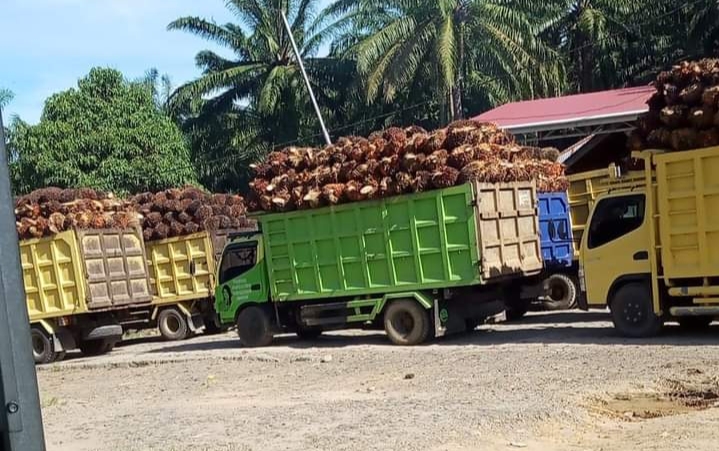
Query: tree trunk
{"x": 457, "y": 107}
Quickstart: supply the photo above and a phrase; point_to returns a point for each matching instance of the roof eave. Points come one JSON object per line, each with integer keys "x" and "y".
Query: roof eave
{"x": 588, "y": 121}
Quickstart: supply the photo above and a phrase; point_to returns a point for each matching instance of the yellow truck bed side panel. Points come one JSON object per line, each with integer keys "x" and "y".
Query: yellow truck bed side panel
{"x": 181, "y": 268}
{"x": 586, "y": 187}
{"x": 688, "y": 203}
{"x": 53, "y": 276}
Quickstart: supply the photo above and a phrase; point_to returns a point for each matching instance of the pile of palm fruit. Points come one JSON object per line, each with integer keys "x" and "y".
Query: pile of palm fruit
{"x": 683, "y": 113}
{"x": 48, "y": 211}
{"x": 399, "y": 161}
{"x": 178, "y": 212}
{"x": 166, "y": 214}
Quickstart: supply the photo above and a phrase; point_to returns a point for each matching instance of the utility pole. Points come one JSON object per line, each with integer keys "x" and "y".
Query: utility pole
{"x": 20, "y": 417}
{"x": 304, "y": 75}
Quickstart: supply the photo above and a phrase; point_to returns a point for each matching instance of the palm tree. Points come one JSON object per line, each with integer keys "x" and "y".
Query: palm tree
{"x": 703, "y": 26}
{"x": 263, "y": 76}
{"x": 600, "y": 39}
{"x": 160, "y": 86}
{"x": 400, "y": 43}
{"x": 6, "y": 97}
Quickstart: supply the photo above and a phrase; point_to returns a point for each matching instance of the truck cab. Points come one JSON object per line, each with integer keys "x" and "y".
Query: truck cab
{"x": 615, "y": 265}
{"x": 242, "y": 277}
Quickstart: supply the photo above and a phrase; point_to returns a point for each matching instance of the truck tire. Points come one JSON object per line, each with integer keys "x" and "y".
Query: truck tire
{"x": 308, "y": 333}
{"x": 515, "y": 312}
{"x": 173, "y": 324}
{"x": 695, "y": 322}
{"x": 562, "y": 293}
{"x": 254, "y": 327}
{"x": 96, "y": 347}
{"x": 43, "y": 351}
{"x": 212, "y": 327}
{"x": 632, "y": 312}
{"x": 406, "y": 322}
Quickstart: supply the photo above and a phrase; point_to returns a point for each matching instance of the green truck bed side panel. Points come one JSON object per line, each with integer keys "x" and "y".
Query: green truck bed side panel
{"x": 413, "y": 242}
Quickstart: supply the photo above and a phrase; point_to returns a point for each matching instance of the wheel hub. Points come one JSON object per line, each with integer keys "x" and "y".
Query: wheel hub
{"x": 633, "y": 312}
{"x": 173, "y": 324}
{"x": 403, "y": 323}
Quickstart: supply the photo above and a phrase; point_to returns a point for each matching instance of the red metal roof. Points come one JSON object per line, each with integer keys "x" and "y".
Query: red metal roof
{"x": 617, "y": 103}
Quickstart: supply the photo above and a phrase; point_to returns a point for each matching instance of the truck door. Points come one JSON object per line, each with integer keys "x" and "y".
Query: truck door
{"x": 241, "y": 279}
{"x": 616, "y": 244}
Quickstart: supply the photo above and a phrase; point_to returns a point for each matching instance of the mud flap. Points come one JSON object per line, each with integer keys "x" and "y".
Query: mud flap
{"x": 195, "y": 322}
{"x": 63, "y": 340}
{"x": 440, "y": 318}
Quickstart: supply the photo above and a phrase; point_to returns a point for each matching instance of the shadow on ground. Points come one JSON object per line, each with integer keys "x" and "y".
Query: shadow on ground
{"x": 547, "y": 328}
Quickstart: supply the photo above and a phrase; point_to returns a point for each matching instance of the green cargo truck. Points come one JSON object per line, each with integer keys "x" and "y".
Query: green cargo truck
{"x": 427, "y": 263}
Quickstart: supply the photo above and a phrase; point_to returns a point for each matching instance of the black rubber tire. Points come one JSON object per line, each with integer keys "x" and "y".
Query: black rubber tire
{"x": 254, "y": 326}
{"x": 96, "y": 347}
{"x": 695, "y": 322}
{"x": 308, "y": 333}
{"x": 173, "y": 324}
{"x": 406, "y": 322}
{"x": 42, "y": 347}
{"x": 212, "y": 328}
{"x": 632, "y": 312}
{"x": 517, "y": 311}
{"x": 562, "y": 293}
{"x": 471, "y": 324}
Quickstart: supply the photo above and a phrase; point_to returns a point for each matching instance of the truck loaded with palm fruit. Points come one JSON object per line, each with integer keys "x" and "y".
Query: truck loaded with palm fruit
{"x": 413, "y": 232}
{"x": 94, "y": 265}
{"x": 650, "y": 252}
{"x": 418, "y": 265}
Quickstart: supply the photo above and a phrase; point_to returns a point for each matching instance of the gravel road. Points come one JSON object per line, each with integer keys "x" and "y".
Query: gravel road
{"x": 559, "y": 381}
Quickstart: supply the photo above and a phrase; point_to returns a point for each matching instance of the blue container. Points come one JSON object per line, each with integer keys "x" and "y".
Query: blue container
{"x": 555, "y": 230}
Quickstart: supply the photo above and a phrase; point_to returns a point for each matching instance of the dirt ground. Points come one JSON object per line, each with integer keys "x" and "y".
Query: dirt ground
{"x": 561, "y": 381}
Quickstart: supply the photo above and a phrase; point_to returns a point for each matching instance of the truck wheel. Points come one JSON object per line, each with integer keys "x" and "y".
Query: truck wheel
{"x": 406, "y": 322}
{"x": 517, "y": 311}
{"x": 173, "y": 324}
{"x": 308, "y": 333}
{"x": 695, "y": 322}
{"x": 212, "y": 327}
{"x": 562, "y": 293}
{"x": 42, "y": 349}
{"x": 254, "y": 327}
{"x": 96, "y": 347}
{"x": 632, "y": 312}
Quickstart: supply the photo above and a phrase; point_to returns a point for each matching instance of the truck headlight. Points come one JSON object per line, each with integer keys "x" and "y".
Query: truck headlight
{"x": 582, "y": 281}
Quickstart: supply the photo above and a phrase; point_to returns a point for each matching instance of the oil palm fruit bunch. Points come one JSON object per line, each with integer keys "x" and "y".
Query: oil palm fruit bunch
{"x": 397, "y": 161}
{"x": 684, "y": 110}
{"x": 178, "y": 212}
{"x": 52, "y": 210}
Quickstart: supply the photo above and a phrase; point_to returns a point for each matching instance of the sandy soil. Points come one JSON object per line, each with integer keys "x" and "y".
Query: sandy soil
{"x": 561, "y": 381}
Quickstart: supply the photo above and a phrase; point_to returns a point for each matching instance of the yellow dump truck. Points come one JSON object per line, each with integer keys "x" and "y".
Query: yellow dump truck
{"x": 76, "y": 282}
{"x": 651, "y": 253}
{"x": 182, "y": 281}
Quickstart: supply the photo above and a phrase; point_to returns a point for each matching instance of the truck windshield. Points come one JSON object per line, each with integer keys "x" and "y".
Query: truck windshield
{"x": 614, "y": 218}
{"x": 237, "y": 260}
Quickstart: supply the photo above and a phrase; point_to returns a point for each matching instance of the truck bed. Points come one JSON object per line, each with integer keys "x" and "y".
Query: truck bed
{"x": 687, "y": 203}
{"x": 459, "y": 236}
{"x": 78, "y": 271}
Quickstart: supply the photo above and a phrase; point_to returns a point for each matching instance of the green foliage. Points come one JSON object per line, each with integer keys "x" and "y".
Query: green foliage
{"x": 106, "y": 134}
{"x": 6, "y": 97}
{"x": 240, "y": 108}
{"x": 489, "y": 46}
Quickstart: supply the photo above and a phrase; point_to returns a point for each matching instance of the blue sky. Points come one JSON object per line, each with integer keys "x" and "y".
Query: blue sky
{"x": 48, "y": 44}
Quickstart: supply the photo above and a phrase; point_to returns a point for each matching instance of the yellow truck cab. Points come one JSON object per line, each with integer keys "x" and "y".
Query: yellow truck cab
{"x": 651, "y": 253}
